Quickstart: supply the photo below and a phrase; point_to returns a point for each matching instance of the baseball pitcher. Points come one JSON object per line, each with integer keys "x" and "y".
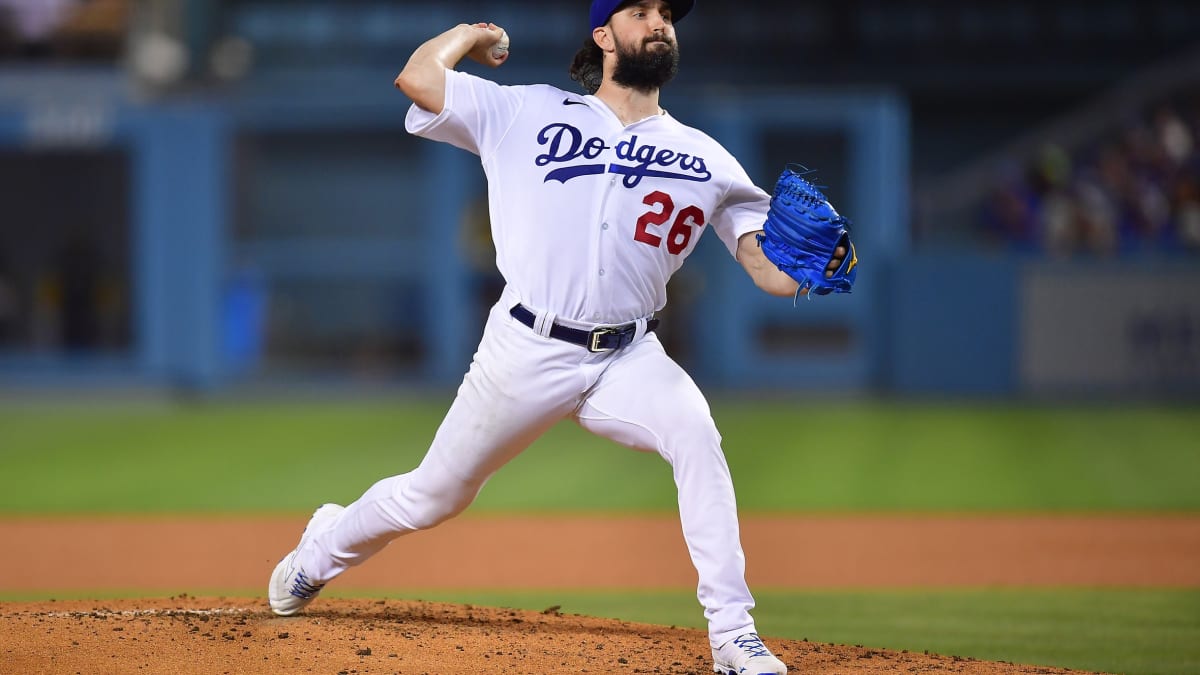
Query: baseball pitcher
{"x": 595, "y": 201}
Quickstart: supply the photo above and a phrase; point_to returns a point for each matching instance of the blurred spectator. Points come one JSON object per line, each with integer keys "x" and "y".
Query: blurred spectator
{"x": 1009, "y": 214}
{"x": 1135, "y": 190}
{"x": 1186, "y": 206}
{"x": 71, "y": 29}
{"x": 32, "y": 24}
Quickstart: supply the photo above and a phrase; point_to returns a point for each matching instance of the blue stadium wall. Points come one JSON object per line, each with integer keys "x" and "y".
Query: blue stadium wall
{"x": 948, "y": 322}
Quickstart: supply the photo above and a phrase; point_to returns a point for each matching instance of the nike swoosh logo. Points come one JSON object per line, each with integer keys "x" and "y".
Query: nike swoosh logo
{"x": 567, "y": 101}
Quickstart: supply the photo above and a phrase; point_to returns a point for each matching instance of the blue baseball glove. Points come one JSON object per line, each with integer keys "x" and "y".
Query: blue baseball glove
{"x": 801, "y": 234}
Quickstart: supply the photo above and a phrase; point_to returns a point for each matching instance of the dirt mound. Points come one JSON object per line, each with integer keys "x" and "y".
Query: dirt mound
{"x": 232, "y": 635}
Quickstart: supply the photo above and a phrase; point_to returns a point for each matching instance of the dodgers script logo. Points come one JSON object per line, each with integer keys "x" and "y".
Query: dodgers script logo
{"x": 565, "y": 143}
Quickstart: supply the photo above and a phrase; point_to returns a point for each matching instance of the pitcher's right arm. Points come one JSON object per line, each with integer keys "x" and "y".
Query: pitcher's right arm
{"x": 424, "y": 77}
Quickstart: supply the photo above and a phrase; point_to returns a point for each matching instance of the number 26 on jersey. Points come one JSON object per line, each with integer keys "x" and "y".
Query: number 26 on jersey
{"x": 649, "y": 226}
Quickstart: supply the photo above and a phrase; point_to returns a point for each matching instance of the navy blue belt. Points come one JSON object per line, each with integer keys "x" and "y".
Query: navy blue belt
{"x": 599, "y": 339}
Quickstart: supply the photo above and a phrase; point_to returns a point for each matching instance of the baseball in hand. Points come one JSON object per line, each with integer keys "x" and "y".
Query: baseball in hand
{"x": 500, "y": 48}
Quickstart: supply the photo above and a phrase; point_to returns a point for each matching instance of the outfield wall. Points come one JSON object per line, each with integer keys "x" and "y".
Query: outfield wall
{"x": 996, "y": 325}
{"x": 280, "y": 232}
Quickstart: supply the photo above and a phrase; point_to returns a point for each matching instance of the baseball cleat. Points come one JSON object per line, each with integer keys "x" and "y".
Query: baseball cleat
{"x": 291, "y": 589}
{"x": 746, "y": 655}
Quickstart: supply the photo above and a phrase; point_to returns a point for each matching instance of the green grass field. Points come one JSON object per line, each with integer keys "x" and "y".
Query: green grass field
{"x": 795, "y": 456}
{"x": 792, "y": 456}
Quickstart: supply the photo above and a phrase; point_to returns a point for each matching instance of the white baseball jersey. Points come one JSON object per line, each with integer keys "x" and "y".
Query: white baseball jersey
{"x": 591, "y": 217}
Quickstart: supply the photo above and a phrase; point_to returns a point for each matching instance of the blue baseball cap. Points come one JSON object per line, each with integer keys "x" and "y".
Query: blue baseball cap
{"x": 602, "y": 10}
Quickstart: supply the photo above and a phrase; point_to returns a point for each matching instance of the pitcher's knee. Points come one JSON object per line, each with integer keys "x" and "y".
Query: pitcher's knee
{"x": 699, "y": 432}
{"x": 434, "y": 515}
{"x": 697, "y": 445}
{"x": 430, "y": 507}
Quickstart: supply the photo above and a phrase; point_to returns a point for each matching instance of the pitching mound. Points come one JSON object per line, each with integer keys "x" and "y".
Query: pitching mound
{"x": 230, "y": 635}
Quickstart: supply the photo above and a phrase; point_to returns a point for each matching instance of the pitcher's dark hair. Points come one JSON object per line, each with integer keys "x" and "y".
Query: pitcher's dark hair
{"x": 588, "y": 66}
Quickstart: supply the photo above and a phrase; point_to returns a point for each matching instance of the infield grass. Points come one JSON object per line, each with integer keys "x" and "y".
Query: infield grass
{"x": 785, "y": 456}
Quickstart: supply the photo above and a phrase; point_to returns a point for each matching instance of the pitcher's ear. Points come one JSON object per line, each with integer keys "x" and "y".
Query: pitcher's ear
{"x": 603, "y": 38}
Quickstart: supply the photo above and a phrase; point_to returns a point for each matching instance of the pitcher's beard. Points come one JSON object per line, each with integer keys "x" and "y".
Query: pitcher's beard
{"x": 646, "y": 69}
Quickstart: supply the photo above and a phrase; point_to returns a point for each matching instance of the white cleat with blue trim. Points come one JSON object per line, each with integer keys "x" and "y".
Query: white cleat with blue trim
{"x": 291, "y": 589}
{"x": 746, "y": 655}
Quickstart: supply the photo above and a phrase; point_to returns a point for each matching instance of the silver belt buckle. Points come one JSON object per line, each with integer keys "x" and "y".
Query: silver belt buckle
{"x": 597, "y": 333}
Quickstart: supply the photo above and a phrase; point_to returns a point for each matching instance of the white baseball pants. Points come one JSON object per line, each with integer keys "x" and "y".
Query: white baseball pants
{"x": 520, "y": 384}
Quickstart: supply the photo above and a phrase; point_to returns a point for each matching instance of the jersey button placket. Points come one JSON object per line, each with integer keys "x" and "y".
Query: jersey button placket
{"x": 600, "y": 296}
{"x": 605, "y": 243}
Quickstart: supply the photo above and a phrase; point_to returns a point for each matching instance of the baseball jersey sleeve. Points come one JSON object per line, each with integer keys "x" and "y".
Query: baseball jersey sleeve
{"x": 743, "y": 210}
{"x": 475, "y": 116}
